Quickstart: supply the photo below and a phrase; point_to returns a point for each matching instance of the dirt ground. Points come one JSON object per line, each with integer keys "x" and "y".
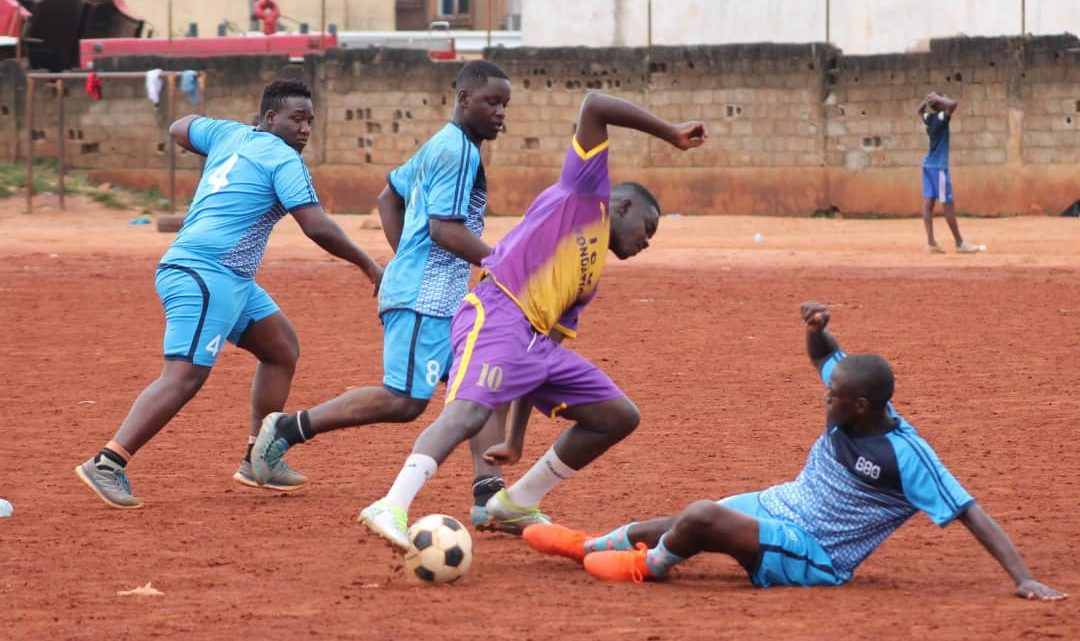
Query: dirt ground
{"x": 702, "y": 332}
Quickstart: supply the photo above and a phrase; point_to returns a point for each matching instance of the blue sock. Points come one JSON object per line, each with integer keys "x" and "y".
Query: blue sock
{"x": 660, "y": 559}
{"x": 617, "y": 539}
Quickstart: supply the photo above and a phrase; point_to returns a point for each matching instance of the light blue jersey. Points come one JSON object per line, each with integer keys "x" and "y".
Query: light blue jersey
{"x": 856, "y": 491}
{"x": 444, "y": 180}
{"x": 251, "y": 180}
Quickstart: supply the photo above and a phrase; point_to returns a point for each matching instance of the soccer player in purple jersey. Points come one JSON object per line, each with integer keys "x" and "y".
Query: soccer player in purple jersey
{"x": 507, "y": 333}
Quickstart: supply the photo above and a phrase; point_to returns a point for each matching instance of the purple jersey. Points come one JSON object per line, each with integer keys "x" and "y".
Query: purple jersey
{"x": 550, "y": 263}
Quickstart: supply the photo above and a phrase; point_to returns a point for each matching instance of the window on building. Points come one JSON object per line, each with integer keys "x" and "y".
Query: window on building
{"x": 453, "y": 7}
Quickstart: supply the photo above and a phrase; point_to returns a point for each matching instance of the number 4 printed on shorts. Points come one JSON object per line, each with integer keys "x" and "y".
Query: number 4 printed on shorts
{"x": 214, "y": 346}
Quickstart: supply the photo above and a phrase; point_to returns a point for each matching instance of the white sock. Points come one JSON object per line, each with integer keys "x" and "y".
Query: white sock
{"x": 541, "y": 478}
{"x": 417, "y": 470}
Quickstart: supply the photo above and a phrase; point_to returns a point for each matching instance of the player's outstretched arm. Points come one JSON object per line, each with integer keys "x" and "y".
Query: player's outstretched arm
{"x": 392, "y": 215}
{"x": 326, "y": 233}
{"x": 997, "y": 543}
{"x": 178, "y": 131}
{"x": 600, "y": 110}
{"x": 509, "y": 451}
{"x": 820, "y": 343}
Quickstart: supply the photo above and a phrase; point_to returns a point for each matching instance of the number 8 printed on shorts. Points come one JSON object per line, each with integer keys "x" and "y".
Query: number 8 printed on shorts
{"x": 433, "y": 373}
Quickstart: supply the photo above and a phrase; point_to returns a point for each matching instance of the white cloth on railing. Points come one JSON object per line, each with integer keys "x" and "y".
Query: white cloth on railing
{"x": 153, "y": 85}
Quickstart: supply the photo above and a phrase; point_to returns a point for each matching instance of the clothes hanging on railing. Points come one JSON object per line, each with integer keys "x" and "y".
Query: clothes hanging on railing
{"x": 189, "y": 84}
{"x": 93, "y": 86}
{"x": 153, "y": 85}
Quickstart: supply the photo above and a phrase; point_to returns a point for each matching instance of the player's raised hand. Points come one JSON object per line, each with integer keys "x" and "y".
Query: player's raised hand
{"x": 502, "y": 454}
{"x": 815, "y": 315}
{"x": 1032, "y": 589}
{"x": 688, "y": 135}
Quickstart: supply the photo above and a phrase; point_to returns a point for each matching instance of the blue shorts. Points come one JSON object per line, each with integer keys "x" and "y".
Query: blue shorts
{"x": 937, "y": 184}
{"x": 416, "y": 352}
{"x": 205, "y": 306}
{"x": 789, "y": 555}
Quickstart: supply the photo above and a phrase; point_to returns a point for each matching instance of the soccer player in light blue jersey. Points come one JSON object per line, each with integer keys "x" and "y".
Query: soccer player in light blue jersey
{"x": 936, "y": 112}
{"x": 432, "y": 211}
{"x": 865, "y": 476}
{"x": 253, "y": 177}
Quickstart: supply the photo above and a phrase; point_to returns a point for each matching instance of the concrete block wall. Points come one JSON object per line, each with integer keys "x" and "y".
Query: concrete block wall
{"x": 794, "y": 128}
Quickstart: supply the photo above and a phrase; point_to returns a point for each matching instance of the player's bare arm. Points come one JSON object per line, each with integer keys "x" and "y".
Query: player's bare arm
{"x": 944, "y": 103}
{"x": 820, "y": 343}
{"x": 600, "y": 110}
{"x": 392, "y": 215}
{"x": 178, "y": 131}
{"x": 509, "y": 451}
{"x": 455, "y": 237}
{"x": 326, "y": 233}
{"x": 997, "y": 543}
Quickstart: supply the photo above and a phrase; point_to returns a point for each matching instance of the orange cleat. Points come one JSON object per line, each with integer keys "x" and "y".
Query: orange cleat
{"x": 551, "y": 538}
{"x": 628, "y": 565}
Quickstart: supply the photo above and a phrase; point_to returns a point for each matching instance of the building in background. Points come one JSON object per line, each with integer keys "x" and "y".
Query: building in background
{"x": 207, "y": 15}
{"x": 496, "y": 15}
{"x": 856, "y": 26}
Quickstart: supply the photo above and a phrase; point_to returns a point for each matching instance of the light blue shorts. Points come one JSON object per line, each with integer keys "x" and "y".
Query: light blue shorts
{"x": 937, "y": 184}
{"x": 789, "y": 555}
{"x": 416, "y": 352}
{"x": 204, "y": 308}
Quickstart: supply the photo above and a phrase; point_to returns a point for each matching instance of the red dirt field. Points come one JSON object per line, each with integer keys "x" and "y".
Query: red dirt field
{"x": 702, "y": 331}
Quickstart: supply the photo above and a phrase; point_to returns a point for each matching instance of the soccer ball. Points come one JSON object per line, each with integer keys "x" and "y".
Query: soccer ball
{"x": 440, "y": 549}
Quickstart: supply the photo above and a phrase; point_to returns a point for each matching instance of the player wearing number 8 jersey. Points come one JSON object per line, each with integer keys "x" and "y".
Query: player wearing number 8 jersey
{"x": 433, "y": 214}
{"x": 254, "y": 176}
{"x": 507, "y": 333}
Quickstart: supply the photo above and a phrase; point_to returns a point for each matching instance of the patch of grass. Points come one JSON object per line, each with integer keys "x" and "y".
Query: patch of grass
{"x": 46, "y": 180}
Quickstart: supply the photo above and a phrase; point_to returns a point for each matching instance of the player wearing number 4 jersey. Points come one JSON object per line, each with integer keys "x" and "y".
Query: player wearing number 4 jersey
{"x": 254, "y": 176}
{"x": 433, "y": 214}
{"x": 865, "y": 476}
{"x": 507, "y": 333}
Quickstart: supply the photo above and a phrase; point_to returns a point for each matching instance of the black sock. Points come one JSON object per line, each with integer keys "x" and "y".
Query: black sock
{"x": 247, "y": 457}
{"x": 108, "y": 459}
{"x": 295, "y": 428}
{"x": 484, "y": 487}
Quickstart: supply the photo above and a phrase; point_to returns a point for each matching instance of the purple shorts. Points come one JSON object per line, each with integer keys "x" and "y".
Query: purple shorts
{"x": 499, "y": 357}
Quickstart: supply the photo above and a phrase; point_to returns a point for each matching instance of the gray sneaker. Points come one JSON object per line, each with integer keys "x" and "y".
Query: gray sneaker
{"x": 282, "y": 478}
{"x": 504, "y": 516}
{"x": 268, "y": 450}
{"x": 110, "y": 484}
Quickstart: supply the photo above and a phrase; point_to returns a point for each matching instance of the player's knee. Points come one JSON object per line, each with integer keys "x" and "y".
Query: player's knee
{"x": 403, "y": 409}
{"x": 700, "y": 515}
{"x": 628, "y": 418}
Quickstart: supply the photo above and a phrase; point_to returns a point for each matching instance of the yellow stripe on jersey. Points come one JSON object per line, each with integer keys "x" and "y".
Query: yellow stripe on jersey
{"x": 585, "y": 155}
{"x": 568, "y": 276}
{"x": 470, "y": 343}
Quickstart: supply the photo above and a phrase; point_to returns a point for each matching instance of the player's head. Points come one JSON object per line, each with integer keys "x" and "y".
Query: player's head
{"x": 287, "y": 112}
{"x": 635, "y": 215}
{"x": 860, "y": 387}
{"x": 483, "y": 91}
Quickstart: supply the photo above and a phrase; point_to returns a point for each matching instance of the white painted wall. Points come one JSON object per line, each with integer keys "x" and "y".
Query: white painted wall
{"x": 856, "y": 26}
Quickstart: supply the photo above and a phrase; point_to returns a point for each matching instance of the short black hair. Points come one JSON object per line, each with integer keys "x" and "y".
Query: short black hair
{"x": 869, "y": 376}
{"x": 275, "y": 94}
{"x": 476, "y": 74}
{"x": 640, "y": 191}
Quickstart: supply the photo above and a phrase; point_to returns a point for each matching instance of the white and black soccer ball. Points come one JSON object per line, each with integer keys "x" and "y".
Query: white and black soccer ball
{"x": 440, "y": 549}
